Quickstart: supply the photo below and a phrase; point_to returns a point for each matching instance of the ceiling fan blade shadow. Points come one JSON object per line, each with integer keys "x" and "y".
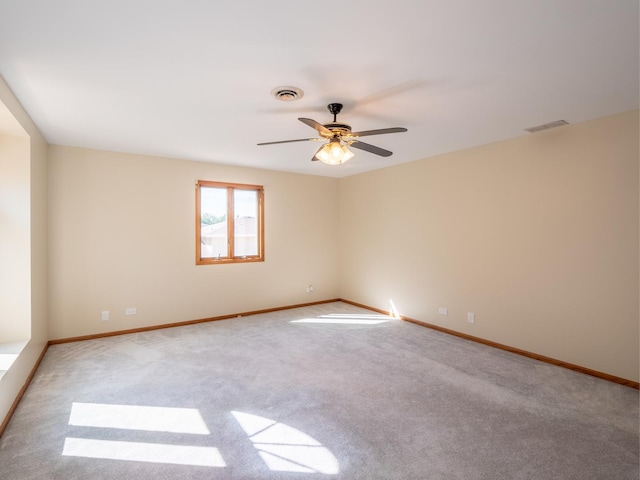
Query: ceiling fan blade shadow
{"x": 317, "y": 126}
{"x": 289, "y": 109}
{"x": 290, "y": 141}
{"x": 390, "y": 92}
{"x": 371, "y": 148}
{"x": 379, "y": 131}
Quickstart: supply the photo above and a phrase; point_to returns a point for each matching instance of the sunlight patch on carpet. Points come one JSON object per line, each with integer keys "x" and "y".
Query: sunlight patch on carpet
{"x": 286, "y": 449}
{"x": 281, "y": 447}
{"x": 346, "y": 318}
{"x": 136, "y": 417}
{"x": 143, "y": 452}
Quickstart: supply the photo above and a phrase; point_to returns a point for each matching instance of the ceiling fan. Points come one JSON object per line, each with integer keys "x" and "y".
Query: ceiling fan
{"x": 340, "y": 136}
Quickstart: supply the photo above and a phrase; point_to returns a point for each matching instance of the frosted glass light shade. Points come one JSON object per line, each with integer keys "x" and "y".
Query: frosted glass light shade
{"x": 333, "y": 153}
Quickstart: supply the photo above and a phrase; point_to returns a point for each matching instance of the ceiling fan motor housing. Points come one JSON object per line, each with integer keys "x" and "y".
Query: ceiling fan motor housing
{"x": 338, "y": 129}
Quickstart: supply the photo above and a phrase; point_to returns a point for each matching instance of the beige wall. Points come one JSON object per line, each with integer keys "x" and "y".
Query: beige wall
{"x": 15, "y": 244}
{"x": 122, "y": 235}
{"x": 538, "y": 236}
{"x": 33, "y": 174}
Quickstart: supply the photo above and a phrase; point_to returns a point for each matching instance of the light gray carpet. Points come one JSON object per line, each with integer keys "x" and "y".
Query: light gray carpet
{"x": 270, "y": 397}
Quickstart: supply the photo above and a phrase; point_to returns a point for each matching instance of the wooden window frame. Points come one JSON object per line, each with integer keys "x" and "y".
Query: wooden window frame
{"x": 231, "y": 187}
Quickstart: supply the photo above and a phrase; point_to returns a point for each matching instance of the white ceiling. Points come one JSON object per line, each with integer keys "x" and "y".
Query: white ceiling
{"x": 192, "y": 78}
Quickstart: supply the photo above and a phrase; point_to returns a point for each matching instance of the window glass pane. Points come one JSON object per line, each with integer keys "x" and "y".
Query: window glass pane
{"x": 229, "y": 223}
{"x": 245, "y": 206}
{"x": 213, "y": 223}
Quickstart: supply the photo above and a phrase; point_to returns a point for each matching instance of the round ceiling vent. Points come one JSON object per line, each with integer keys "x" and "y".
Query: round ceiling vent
{"x": 287, "y": 94}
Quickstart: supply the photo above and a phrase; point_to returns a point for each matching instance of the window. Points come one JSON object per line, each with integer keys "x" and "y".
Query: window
{"x": 229, "y": 223}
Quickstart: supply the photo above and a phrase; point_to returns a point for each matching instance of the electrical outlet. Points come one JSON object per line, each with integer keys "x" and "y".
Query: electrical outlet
{"x": 310, "y": 289}
{"x": 130, "y": 311}
{"x": 443, "y": 311}
{"x": 471, "y": 317}
{"x": 105, "y": 315}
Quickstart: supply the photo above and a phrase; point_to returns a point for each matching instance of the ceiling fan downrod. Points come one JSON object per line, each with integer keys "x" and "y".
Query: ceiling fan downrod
{"x": 335, "y": 109}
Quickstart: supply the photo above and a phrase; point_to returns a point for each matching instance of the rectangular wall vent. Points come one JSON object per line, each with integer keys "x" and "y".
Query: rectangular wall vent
{"x": 547, "y": 126}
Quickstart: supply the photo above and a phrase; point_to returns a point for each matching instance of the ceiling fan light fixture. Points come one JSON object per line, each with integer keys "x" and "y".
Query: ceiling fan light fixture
{"x": 333, "y": 153}
{"x": 346, "y": 154}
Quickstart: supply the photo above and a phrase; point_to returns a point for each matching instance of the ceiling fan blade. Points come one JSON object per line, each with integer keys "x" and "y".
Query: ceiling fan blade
{"x": 371, "y": 148}
{"x": 290, "y": 141}
{"x": 379, "y": 131}
{"x": 322, "y": 130}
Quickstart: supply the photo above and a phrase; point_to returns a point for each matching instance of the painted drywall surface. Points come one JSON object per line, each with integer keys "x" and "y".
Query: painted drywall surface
{"x": 538, "y": 236}
{"x": 122, "y": 235}
{"x": 15, "y": 251}
{"x": 35, "y": 267}
{"x": 39, "y": 242}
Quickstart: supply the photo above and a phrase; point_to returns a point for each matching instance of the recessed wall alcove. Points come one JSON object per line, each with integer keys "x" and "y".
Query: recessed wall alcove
{"x": 15, "y": 239}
